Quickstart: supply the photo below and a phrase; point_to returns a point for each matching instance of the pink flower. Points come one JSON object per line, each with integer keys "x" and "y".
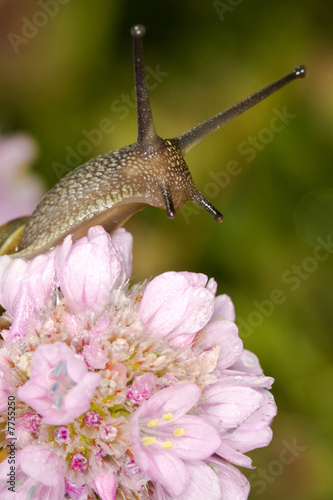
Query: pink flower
{"x": 79, "y": 462}
{"x": 62, "y": 435}
{"x": 20, "y": 190}
{"x": 177, "y": 305}
{"x": 92, "y": 419}
{"x": 38, "y": 472}
{"x": 128, "y": 392}
{"x": 162, "y": 436}
{"x": 87, "y": 270}
{"x": 60, "y": 387}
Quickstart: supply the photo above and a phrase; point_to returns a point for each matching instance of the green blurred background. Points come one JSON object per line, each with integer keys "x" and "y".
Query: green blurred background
{"x": 76, "y": 70}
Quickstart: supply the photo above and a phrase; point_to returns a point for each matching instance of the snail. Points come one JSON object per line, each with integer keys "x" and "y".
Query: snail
{"x": 110, "y": 188}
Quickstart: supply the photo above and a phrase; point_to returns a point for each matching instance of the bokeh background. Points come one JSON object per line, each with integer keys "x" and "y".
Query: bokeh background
{"x": 64, "y": 72}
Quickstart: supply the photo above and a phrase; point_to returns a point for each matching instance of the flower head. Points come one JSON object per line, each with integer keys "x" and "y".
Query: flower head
{"x": 142, "y": 392}
{"x": 163, "y": 434}
{"x": 60, "y": 387}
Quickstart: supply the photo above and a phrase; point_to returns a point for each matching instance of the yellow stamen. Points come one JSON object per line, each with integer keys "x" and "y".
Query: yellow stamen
{"x": 167, "y": 444}
{"x": 148, "y": 440}
{"x": 167, "y": 416}
{"x": 179, "y": 432}
{"x": 152, "y": 423}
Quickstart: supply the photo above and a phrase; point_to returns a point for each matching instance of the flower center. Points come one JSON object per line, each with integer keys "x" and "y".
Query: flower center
{"x": 158, "y": 432}
{"x": 62, "y": 383}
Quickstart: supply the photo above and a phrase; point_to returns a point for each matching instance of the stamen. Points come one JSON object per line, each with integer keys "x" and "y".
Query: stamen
{"x": 58, "y": 401}
{"x": 31, "y": 492}
{"x": 152, "y": 423}
{"x": 54, "y": 387}
{"x": 168, "y": 416}
{"x": 148, "y": 440}
{"x": 167, "y": 445}
{"x": 179, "y": 432}
{"x": 59, "y": 368}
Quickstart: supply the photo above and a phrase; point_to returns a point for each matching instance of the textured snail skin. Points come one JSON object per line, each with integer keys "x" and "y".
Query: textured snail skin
{"x": 108, "y": 189}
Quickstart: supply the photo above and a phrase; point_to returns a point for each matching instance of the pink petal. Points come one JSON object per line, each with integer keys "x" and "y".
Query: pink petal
{"x": 176, "y": 399}
{"x": 11, "y": 274}
{"x": 203, "y": 479}
{"x": 229, "y": 453}
{"x": 95, "y": 357}
{"x": 75, "y": 492}
{"x": 223, "y": 309}
{"x": 225, "y": 334}
{"x": 191, "y": 437}
{"x": 40, "y": 274}
{"x": 23, "y": 313}
{"x": 87, "y": 270}
{"x": 142, "y": 387}
{"x": 204, "y": 483}
{"x": 42, "y": 465}
{"x": 122, "y": 240}
{"x": 26, "y": 290}
{"x": 166, "y": 469}
{"x": 195, "y": 280}
{"x": 263, "y": 416}
{"x": 101, "y": 326}
{"x": 36, "y": 469}
{"x": 105, "y": 486}
{"x": 233, "y": 484}
{"x": 234, "y": 377}
{"x": 200, "y": 440}
{"x": 212, "y": 286}
{"x": 247, "y": 441}
{"x": 248, "y": 362}
{"x": 230, "y": 406}
{"x": 176, "y": 304}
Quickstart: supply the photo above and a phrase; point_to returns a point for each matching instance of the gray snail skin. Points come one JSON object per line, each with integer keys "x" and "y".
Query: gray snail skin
{"x": 110, "y": 188}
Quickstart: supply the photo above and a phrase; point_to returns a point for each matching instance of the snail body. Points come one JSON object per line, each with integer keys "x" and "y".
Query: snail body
{"x": 110, "y": 188}
{"x": 98, "y": 193}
